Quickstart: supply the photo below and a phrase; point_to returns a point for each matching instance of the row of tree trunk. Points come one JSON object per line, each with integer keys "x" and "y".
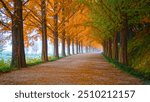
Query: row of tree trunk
{"x": 76, "y": 48}
{"x": 116, "y": 47}
{"x": 116, "y": 50}
{"x": 18, "y": 52}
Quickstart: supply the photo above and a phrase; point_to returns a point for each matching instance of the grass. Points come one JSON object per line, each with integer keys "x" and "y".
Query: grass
{"x": 33, "y": 61}
{"x": 55, "y": 58}
{"x": 37, "y": 61}
{"x": 5, "y": 69}
{"x": 5, "y": 65}
{"x": 128, "y": 70}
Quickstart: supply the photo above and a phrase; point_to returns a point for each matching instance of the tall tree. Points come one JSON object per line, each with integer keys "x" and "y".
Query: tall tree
{"x": 73, "y": 52}
{"x": 18, "y": 53}
{"x": 115, "y": 46}
{"x": 123, "y": 40}
{"x": 68, "y": 46}
{"x": 44, "y": 32}
{"x": 63, "y": 32}
{"x": 55, "y": 31}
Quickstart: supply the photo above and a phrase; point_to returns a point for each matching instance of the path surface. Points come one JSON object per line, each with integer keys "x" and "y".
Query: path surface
{"x": 78, "y": 69}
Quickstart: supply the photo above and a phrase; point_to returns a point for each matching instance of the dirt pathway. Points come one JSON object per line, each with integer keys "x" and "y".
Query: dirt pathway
{"x": 78, "y": 69}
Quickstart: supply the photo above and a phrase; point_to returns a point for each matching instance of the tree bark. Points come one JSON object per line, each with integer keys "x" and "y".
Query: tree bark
{"x": 63, "y": 33}
{"x": 77, "y": 51}
{"x": 55, "y": 33}
{"x": 68, "y": 46}
{"x": 89, "y": 48}
{"x": 73, "y": 46}
{"x": 18, "y": 53}
{"x": 123, "y": 50}
{"x": 63, "y": 45}
{"x": 115, "y": 46}
{"x": 106, "y": 47}
{"x": 44, "y": 32}
{"x": 86, "y": 49}
{"x": 123, "y": 41}
{"x": 79, "y": 47}
{"x": 110, "y": 48}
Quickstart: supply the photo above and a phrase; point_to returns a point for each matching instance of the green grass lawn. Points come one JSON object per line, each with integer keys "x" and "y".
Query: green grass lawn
{"x": 5, "y": 65}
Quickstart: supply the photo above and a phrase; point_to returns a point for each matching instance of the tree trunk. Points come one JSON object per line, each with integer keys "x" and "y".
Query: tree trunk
{"x": 110, "y": 48}
{"x": 73, "y": 46}
{"x": 86, "y": 49}
{"x": 77, "y": 51}
{"x": 89, "y": 49}
{"x": 18, "y": 53}
{"x": 104, "y": 47}
{"x": 44, "y": 32}
{"x": 123, "y": 41}
{"x": 68, "y": 46}
{"x": 123, "y": 50}
{"x": 81, "y": 47}
{"x": 115, "y": 46}
{"x": 56, "y": 51}
{"x": 64, "y": 32}
{"x": 93, "y": 49}
{"x": 63, "y": 44}
{"x": 107, "y": 50}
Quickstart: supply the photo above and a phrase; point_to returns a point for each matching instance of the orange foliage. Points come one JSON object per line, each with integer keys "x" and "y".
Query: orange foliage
{"x": 74, "y": 16}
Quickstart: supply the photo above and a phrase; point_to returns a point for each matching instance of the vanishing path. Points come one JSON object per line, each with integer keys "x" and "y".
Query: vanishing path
{"x": 78, "y": 69}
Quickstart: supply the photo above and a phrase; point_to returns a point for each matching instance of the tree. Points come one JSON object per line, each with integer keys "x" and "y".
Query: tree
{"x": 63, "y": 32}
{"x": 44, "y": 32}
{"x": 115, "y": 46}
{"x": 54, "y": 20}
{"x": 55, "y": 31}
{"x": 18, "y": 54}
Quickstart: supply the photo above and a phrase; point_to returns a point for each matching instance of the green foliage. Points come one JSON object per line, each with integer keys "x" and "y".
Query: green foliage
{"x": 33, "y": 61}
{"x": 36, "y": 61}
{"x": 129, "y": 70}
{"x": 109, "y": 17}
{"x": 54, "y": 58}
{"x": 139, "y": 52}
{"x": 4, "y": 66}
